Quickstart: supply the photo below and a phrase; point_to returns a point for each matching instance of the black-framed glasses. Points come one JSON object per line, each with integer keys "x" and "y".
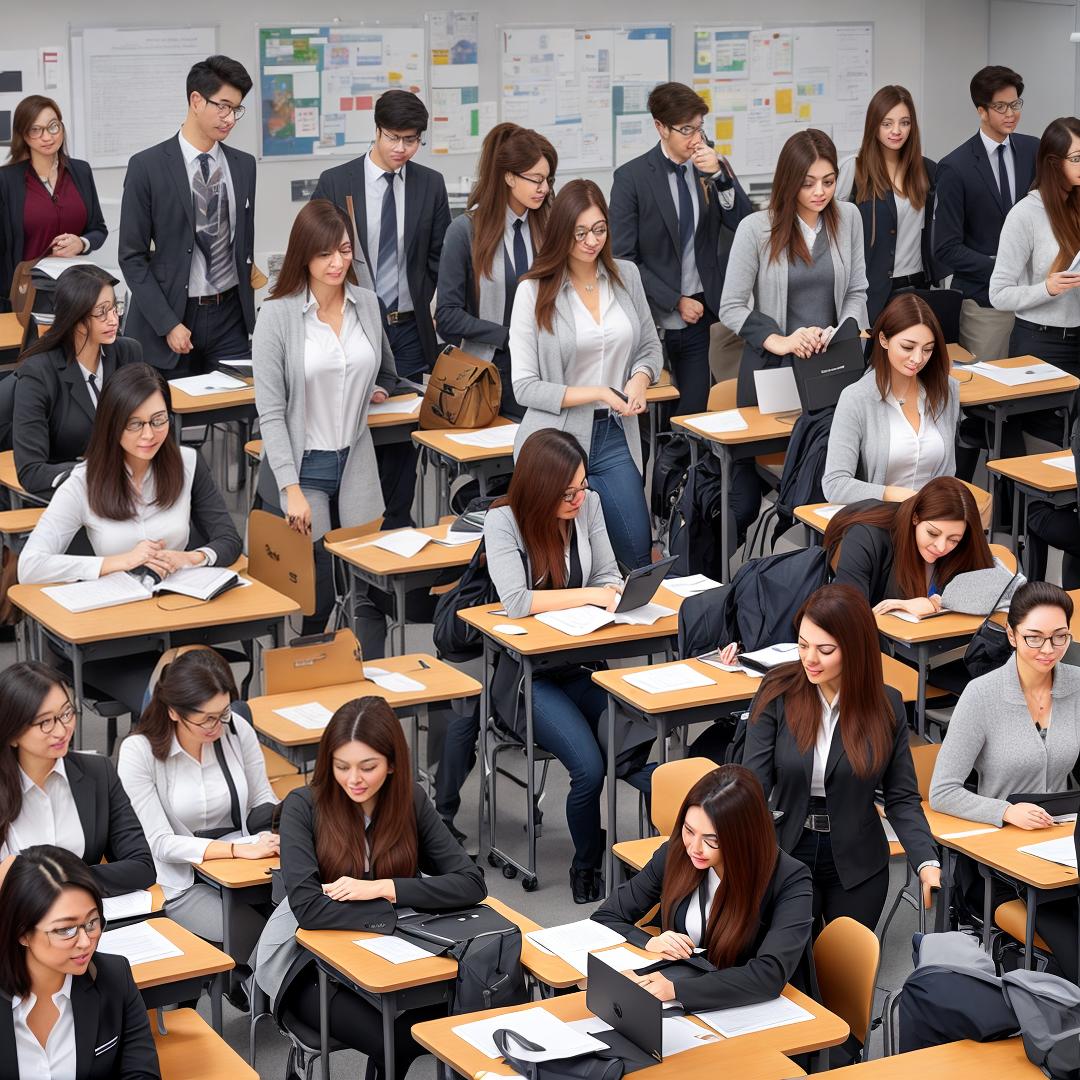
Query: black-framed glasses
{"x": 38, "y": 131}
{"x": 599, "y": 230}
{"x": 570, "y": 494}
{"x": 47, "y": 724}
{"x": 687, "y": 130}
{"x": 407, "y": 141}
{"x": 211, "y": 720}
{"x": 103, "y": 311}
{"x": 224, "y": 108}
{"x": 540, "y": 182}
{"x": 68, "y": 935}
{"x": 709, "y": 841}
{"x": 157, "y": 422}
{"x": 1037, "y": 641}
{"x": 1003, "y": 107}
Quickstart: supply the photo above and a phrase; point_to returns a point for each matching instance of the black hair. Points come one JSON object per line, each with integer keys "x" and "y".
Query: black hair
{"x": 986, "y": 82}
{"x": 1033, "y": 594}
{"x": 400, "y": 110}
{"x": 77, "y": 292}
{"x": 675, "y": 103}
{"x": 208, "y": 76}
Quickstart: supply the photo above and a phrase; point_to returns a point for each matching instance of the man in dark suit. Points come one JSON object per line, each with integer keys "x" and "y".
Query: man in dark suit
{"x": 187, "y": 231}
{"x": 401, "y": 216}
{"x": 667, "y": 211}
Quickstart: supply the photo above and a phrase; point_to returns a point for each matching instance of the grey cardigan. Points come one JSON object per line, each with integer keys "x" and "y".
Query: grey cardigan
{"x": 277, "y": 355}
{"x": 858, "y": 454}
{"x": 507, "y": 558}
{"x": 539, "y": 361}
{"x": 992, "y": 732}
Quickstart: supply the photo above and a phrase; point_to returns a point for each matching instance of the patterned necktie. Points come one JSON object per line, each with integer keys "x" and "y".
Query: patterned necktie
{"x": 1003, "y": 179}
{"x": 386, "y": 271}
{"x": 213, "y": 228}
{"x": 686, "y": 207}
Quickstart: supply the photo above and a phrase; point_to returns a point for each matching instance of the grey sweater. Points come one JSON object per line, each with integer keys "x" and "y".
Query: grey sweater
{"x": 992, "y": 732}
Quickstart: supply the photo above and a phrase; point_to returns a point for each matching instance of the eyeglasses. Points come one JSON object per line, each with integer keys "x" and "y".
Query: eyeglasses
{"x": 709, "y": 841}
{"x": 156, "y": 422}
{"x": 540, "y": 181}
{"x": 224, "y": 108}
{"x": 1003, "y": 107}
{"x": 105, "y": 310}
{"x": 47, "y": 724}
{"x": 407, "y": 141}
{"x": 1073, "y": 159}
{"x": 212, "y": 720}
{"x": 68, "y": 935}
{"x": 570, "y": 494}
{"x": 689, "y": 129}
{"x": 38, "y": 131}
{"x": 1037, "y": 641}
{"x": 599, "y": 230}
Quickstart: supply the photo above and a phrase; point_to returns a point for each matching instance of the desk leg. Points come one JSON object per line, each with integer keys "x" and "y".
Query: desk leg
{"x": 324, "y": 1023}
{"x": 399, "y": 613}
{"x": 217, "y": 985}
{"x": 923, "y": 662}
{"x": 1029, "y": 928}
{"x": 612, "y": 799}
{"x": 988, "y": 904}
{"x": 388, "y": 1003}
{"x": 725, "y": 498}
{"x": 77, "y": 680}
{"x": 1015, "y": 534}
{"x": 487, "y": 779}
{"x": 530, "y": 778}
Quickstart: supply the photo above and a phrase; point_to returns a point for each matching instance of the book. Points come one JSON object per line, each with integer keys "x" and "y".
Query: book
{"x": 112, "y": 590}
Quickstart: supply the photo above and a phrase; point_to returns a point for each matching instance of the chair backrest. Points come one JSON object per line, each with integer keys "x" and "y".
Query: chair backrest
{"x": 670, "y": 783}
{"x": 924, "y": 758}
{"x": 1006, "y": 555}
{"x": 846, "y": 956}
{"x": 320, "y": 660}
{"x": 282, "y": 558}
{"x": 722, "y": 395}
{"x": 984, "y": 500}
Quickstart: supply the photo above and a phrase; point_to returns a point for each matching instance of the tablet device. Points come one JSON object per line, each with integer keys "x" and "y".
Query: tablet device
{"x": 630, "y": 1009}
{"x": 641, "y": 584}
{"x": 1055, "y": 803}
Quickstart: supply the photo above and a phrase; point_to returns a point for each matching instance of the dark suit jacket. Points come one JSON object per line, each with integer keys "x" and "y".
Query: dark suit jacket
{"x": 112, "y": 1029}
{"x": 53, "y": 415}
{"x": 12, "y": 202}
{"x": 645, "y": 229}
{"x": 858, "y": 840}
{"x": 866, "y": 561}
{"x": 157, "y": 237}
{"x": 777, "y": 954}
{"x": 427, "y": 217}
{"x": 969, "y": 215}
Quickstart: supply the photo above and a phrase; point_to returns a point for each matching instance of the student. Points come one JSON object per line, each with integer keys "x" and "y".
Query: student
{"x": 893, "y": 186}
{"x": 824, "y": 735}
{"x": 50, "y": 796}
{"x": 138, "y": 494}
{"x": 977, "y": 185}
{"x": 895, "y": 428}
{"x": 667, "y": 209}
{"x": 721, "y": 884}
{"x": 1017, "y": 729}
{"x": 48, "y": 200}
{"x": 584, "y": 352}
{"x": 73, "y": 1013}
{"x": 320, "y": 356}
{"x": 506, "y": 214}
{"x": 401, "y": 264}
{"x": 360, "y": 840}
{"x": 61, "y": 375}
{"x": 187, "y": 231}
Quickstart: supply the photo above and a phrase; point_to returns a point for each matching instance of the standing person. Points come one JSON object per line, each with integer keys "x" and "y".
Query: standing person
{"x": 493, "y": 244}
{"x": 584, "y": 351}
{"x": 48, "y": 201}
{"x": 667, "y": 209}
{"x": 893, "y": 186}
{"x": 402, "y": 214}
{"x": 187, "y": 231}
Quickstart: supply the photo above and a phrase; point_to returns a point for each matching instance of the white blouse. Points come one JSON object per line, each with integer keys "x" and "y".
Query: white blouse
{"x": 830, "y": 717}
{"x": 603, "y": 348}
{"x": 694, "y": 930}
{"x": 56, "y": 1060}
{"x": 46, "y": 816}
{"x": 915, "y": 457}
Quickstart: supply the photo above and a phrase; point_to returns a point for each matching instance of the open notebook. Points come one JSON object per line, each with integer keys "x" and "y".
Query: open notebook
{"x": 198, "y": 582}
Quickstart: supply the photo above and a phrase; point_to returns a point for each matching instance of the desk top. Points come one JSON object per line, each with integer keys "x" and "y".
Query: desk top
{"x": 11, "y": 331}
{"x": 976, "y": 389}
{"x": 440, "y": 441}
{"x": 662, "y": 389}
{"x": 939, "y": 628}
{"x": 200, "y": 958}
{"x": 759, "y": 427}
{"x": 374, "y": 560}
{"x": 192, "y": 1050}
{"x": 1003, "y": 1060}
{"x": 183, "y": 404}
{"x": 958, "y": 354}
{"x": 1032, "y": 471}
{"x": 9, "y": 478}
{"x": 548, "y": 969}
{"x": 239, "y": 873}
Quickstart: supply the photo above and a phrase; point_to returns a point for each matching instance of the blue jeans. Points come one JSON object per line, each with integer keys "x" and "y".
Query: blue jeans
{"x": 397, "y": 461}
{"x": 615, "y": 478}
{"x": 688, "y": 357}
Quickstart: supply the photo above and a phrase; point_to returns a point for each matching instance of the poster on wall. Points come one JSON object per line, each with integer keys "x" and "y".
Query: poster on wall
{"x": 459, "y": 119}
{"x": 31, "y": 71}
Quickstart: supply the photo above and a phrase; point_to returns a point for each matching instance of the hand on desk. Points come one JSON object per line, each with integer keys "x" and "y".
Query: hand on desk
{"x": 919, "y": 605}
{"x": 1027, "y": 815}
{"x": 266, "y": 847}
{"x": 671, "y": 945}
{"x": 378, "y": 395}
{"x": 164, "y": 562}
{"x": 347, "y": 888}
{"x": 656, "y": 984}
{"x": 729, "y": 653}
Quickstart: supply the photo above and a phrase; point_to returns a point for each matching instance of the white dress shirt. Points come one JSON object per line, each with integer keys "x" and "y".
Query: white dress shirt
{"x": 198, "y": 282}
{"x": 508, "y": 234}
{"x": 337, "y": 373}
{"x": 915, "y": 457}
{"x": 1010, "y": 161}
{"x": 603, "y": 348}
{"x": 374, "y": 192}
{"x": 56, "y": 1059}
{"x": 48, "y": 815}
{"x": 907, "y": 255}
{"x": 830, "y": 717}
{"x": 810, "y": 235}
{"x": 694, "y": 930}
{"x": 87, "y": 375}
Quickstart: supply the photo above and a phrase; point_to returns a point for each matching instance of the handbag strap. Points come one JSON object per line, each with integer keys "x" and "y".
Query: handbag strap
{"x": 234, "y": 799}
{"x": 1001, "y": 596}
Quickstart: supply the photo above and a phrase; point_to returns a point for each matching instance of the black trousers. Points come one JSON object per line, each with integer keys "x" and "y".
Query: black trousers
{"x": 1057, "y": 922}
{"x": 218, "y": 332}
{"x": 1049, "y": 526}
{"x": 864, "y": 903}
{"x": 397, "y": 461}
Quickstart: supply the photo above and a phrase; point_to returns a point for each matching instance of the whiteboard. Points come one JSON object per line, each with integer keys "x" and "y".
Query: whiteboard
{"x": 130, "y": 87}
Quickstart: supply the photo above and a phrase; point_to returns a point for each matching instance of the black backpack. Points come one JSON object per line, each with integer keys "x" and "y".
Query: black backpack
{"x": 455, "y": 640}
{"x": 669, "y": 471}
{"x": 804, "y": 466}
{"x": 693, "y": 527}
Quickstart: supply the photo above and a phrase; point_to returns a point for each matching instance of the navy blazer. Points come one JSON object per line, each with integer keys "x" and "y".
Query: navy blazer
{"x": 157, "y": 237}
{"x": 969, "y": 215}
{"x": 645, "y": 229}
{"x": 427, "y": 217}
{"x": 13, "y": 200}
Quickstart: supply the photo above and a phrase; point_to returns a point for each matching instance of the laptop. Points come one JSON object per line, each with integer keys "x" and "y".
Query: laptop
{"x": 630, "y": 1009}
{"x": 821, "y": 378}
{"x": 641, "y": 584}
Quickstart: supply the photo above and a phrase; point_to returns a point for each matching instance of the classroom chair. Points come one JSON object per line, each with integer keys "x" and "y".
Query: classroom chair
{"x": 343, "y": 602}
{"x": 191, "y": 1050}
{"x": 846, "y": 957}
{"x": 304, "y": 1041}
{"x": 1011, "y": 918}
{"x": 670, "y": 783}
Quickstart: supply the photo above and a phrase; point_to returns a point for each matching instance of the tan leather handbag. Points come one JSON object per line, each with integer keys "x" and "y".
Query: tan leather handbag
{"x": 463, "y": 392}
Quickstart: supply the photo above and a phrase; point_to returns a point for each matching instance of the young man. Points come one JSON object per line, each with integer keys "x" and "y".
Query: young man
{"x": 187, "y": 231}
{"x": 667, "y": 209}
{"x": 402, "y": 214}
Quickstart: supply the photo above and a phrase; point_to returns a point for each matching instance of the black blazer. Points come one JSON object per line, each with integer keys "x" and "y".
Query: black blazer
{"x": 53, "y": 415}
{"x": 866, "y": 561}
{"x": 968, "y": 216}
{"x": 112, "y": 1028}
{"x": 157, "y": 237}
{"x": 645, "y": 229}
{"x": 13, "y": 201}
{"x": 858, "y": 840}
{"x": 777, "y": 955}
{"x": 427, "y": 217}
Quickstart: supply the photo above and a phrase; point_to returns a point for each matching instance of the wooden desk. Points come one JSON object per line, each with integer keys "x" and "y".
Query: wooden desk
{"x": 958, "y": 354}
{"x": 276, "y": 764}
{"x": 283, "y": 785}
{"x": 189, "y": 1050}
{"x": 11, "y": 331}
{"x": 1001, "y": 1060}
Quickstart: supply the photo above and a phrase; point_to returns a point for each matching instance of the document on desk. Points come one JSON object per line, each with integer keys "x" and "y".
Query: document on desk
{"x": 623, "y": 959}
{"x": 139, "y": 942}
{"x": 391, "y": 680}
{"x": 127, "y": 905}
{"x": 492, "y": 438}
{"x": 309, "y": 715}
{"x": 719, "y": 422}
{"x": 1018, "y": 376}
{"x": 1062, "y": 850}
{"x": 968, "y": 832}
{"x": 691, "y": 585}
{"x": 666, "y": 678}
{"x": 713, "y": 660}
{"x": 1066, "y": 464}
{"x": 404, "y": 542}
{"x": 198, "y": 582}
{"x": 745, "y": 1019}
{"x": 771, "y": 656}
{"x": 396, "y": 950}
{"x": 213, "y": 382}
{"x": 457, "y": 539}
{"x": 645, "y": 615}
{"x": 677, "y": 1032}
{"x": 576, "y": 621}
{"x": 103, "y": 592}
{"x": 409, "y": 403}
{"x": 827, "y": 513}
{"x": 537, "y": 1025}
{"x": 572, "y": 941}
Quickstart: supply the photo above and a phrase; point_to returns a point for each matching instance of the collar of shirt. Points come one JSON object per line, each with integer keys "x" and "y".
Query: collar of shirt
{"x": 58, "y": 768}
{"x": 191, "y": 154}
{"x": 311, "y": 304}
{"x": 511, "y": 217}
{"x": 23, "y": 1006}
{"x": 688, "y": 163}
{"x": 831, "y": 712}
{"x": 810, "y": 235}
{"x": 991, "y": 146}
{"x": 375, "y": 172}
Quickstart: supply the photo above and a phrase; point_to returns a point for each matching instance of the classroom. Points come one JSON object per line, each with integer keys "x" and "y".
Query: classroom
{"x": 540, "y": 544}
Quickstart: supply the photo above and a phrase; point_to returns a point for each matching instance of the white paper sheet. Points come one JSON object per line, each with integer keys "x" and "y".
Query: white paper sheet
{"x": 1062, "y": 850}
{"x": 493, "y": 438}
{"x": 538, "y": 1026}
{"x": 576, "y": 621}
{"x": 1066, "y": 464}
{"x": 309, "y": 715}
{"x": 405, "y": 542}
{"x": 53, "y": 267}
{"x": 102, "y": 592}
{"x": 1018, "y": 376}
{"x": 623, "y": 959}
{"x": 213, "y": 382}
{"x": 457, "y": 539}
{"x": 139, "y": 942}
{"x": 827, "y": 513}
{"x": 645, "y": 615}
{"x": 396, "y": 405}
{"x": 391, "y": 680}
{"x": 665, "y": 678}
{"x": 691, "y": 585}
{"x": 968, "y": 832}
{"x": 677, "y": 1032}
{"x": 744, "y": 1019}
{"x": 128, "y": 905}
{"x": 715, "y": 423}
{"x": 396, "y": 950}
{"x": 772, "y": 655}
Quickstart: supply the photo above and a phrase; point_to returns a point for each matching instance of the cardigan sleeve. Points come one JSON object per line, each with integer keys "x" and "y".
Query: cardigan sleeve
{"x": 452, "y": 315}
{"x": 649, "y": 356}
{"x": 506, "y": 563}
{"x": 1016, "y": 245}
{"x": 269, "y": 355}
{"x": 530, "y": 388}
{"x": 847, "y": 438}
{"x": 738, "y": 311}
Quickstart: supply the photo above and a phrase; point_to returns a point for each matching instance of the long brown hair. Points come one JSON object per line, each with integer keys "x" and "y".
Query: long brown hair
{"x": 901, "y": 313}
{"x": 315, "y": 230}
{"x": 507, "y": 148}
{"x": 732, "y": 799}
{"x": 26, "y": 112}
{"x": 544, "y": 470}
{"x": 341, "y": 844}
{"x": 867, "y": 726}
{"x": 549, "y": 265}
{"x": 1061, "y": 200}
{"x": 871, "y": 174}
{"x": 942, "y": 499}
{"x": 797, "y": 157}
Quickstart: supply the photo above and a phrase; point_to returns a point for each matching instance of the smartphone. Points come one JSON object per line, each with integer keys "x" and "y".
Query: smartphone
{"x": 619, "y": 394}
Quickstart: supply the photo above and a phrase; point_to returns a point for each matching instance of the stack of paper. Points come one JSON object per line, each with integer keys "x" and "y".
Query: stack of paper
{"x": 827, "y": 513}
{"x": 127, "y": 905}
{"x": 690, "y": 586}
{"x": 213, "y": 382}
{"x": 1062, "y": 850}
{"x": 395, "y": 949}
{"x": 309, "y": 715}
{"x": 574, "y": 941}
{"x": 139, "y": 942}
{"x": 404, "y": 542}
{"x": 665, "y": 678}
{"x": 1068, "y": 464}
{"x": 492, "y": 438}
{"x": 1034, "y": 372}
{"x": 576, "y": 621}
{"x": 538, "y": 1026}
{"x": 622, "y": 959}
{"x": 744, "y": 1019}
{"x": 391, "y": 680}
{"x": 716, "y": 423}
{"x": 409, "y": 403}
{"x": 713, "y": 660}
{"x": 457, "y": 539}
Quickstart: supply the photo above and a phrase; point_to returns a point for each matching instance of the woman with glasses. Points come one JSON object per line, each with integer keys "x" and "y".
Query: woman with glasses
{"x": 140, "y": 496}
{"x": 75, "y": 1011}
{"x": 584, "y": 350}
{"x": 493, "y": 244}
{"x": 60, "y": 378}
{"x": 48, "y": 201}
{"x": 50, "y": 796}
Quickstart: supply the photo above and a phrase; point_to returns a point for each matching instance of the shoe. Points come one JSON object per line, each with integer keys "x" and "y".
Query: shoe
{"x": 598, "y": 882}
{"x": 455, "y": 832}
{"x": 583, "y": 885}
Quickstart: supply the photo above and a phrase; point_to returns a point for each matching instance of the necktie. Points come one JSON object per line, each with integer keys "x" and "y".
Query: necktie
{"x": 521, "y": 254}
{"x": 204, "y": 166}
{"x": 91, "y": 385}
{"x": 386, "y": 270}
{"x": 1003, "y": 179}
{"x": 213, "y": 224}
{"x": 686, "y": 207}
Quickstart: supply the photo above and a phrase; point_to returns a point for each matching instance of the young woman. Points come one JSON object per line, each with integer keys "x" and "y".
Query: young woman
{"x": 60, "y": 378}
{"x": 320, "y": 357}
{"x": 895, "y": 428}
{"x": 584, "y": 351}
{"x": 48, "y": 201}
{"x": 74, "y": 1012}
{"x": 50, "y": 796}
{"x": 489, "y": 247}
{"x": 361, "y": 839}
{"x": 1018, "y": 729}
{"x": 724, "y": 886}
{"x": 138, "y": 494}
{"x": 893, "y": 186}
{"x": 825, "y": 734}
